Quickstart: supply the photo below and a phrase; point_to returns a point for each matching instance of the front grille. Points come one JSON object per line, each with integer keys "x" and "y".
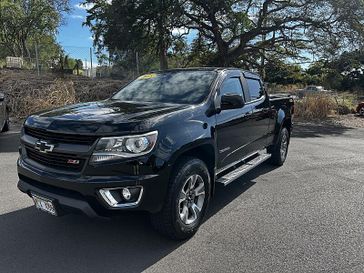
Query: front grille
{"x": 60, "y": 138}
{"x": 56, "y": 160}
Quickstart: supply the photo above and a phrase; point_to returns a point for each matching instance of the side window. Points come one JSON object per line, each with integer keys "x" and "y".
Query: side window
{"x": 256, "y": 90}
{"x": 231, "y": 86}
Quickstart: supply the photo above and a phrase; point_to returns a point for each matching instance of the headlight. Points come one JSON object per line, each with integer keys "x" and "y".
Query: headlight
{"x": 112, "y": 148}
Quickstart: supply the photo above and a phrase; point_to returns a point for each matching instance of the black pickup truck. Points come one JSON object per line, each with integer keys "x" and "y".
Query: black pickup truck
{"x": 161, "y": 145}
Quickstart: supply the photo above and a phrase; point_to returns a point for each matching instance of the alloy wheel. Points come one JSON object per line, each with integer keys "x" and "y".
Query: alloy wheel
{"x": 191, "y": 199}
{"x": 284, "y": 145}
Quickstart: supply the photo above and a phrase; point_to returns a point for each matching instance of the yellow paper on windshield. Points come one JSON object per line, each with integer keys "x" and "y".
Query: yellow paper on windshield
{"x": 147, "y": 76}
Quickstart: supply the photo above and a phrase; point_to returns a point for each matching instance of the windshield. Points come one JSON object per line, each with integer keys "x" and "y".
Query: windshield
{"x": 180, "y": 87}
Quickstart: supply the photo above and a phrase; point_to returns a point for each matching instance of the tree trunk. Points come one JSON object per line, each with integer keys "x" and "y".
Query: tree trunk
{"x": 163, "y": 33}
{"x": 162, "y": 44}
{"x": 25, "y": 48}
{"x": 222, "y": 59}
{"x": 12, "y": 48}
{"x": 21, "y": 52}
{"x": 163, "y": 60}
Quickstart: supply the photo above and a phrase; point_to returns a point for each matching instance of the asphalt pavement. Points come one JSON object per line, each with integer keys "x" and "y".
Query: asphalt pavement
{"x": 306, "y": 216}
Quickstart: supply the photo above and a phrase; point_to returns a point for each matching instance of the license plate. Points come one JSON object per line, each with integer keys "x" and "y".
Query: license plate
{"x": 44, "y": 204}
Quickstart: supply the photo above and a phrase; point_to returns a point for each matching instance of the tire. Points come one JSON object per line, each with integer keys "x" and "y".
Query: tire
{"x": 280, "y": 150}
{"x": 361, "y": 111}
{"x": 182, "y": 205}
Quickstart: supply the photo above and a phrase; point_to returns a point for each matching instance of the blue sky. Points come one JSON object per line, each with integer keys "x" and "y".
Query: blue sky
{"x": 75, "y": 38}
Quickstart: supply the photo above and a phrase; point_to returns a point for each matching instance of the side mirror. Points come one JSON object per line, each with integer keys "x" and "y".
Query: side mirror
{"x": 231, "y": 101}
{"x": 2, "y": 97}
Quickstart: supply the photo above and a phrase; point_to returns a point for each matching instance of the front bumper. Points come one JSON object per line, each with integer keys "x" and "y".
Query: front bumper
{"x": 80, "y": 194}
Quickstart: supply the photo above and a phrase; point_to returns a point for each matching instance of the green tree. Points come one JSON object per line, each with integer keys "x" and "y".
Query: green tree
{"x": 239, "y": 29}
{"x": 350, "y": 67}
{"x": 78, "y": 66}
{"x": 48, "y": 50}
{"x": 344, "y": 72}
{"x": 25, "y": 21}
{"x": 279, "y": 72}
{"x": 143, "y": 26}
{"x": 234, "y": 32}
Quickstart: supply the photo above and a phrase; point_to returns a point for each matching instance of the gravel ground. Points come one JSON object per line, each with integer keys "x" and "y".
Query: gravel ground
{"x": 351, "y": 121}
{"x": 345, "y": 121}
{"x": 306, "y": 216}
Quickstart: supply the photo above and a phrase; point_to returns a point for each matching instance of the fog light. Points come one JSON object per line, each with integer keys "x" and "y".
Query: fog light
{"x": 122, "y": 197}
{"x": 126, "y": 194}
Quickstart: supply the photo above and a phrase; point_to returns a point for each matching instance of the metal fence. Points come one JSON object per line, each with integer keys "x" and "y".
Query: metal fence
{"x": 83, "y": 61}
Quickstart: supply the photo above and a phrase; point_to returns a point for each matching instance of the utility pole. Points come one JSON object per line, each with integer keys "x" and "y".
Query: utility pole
{"x": 137, "y": 62}
{"x": 91, "y": 74}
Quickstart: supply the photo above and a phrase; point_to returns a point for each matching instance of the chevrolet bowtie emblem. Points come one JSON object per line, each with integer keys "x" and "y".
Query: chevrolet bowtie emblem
{"x": 43, "y": 147}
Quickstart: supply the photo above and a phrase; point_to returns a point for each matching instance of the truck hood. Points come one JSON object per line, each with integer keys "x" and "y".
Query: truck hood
{"x": 103, "y": 117}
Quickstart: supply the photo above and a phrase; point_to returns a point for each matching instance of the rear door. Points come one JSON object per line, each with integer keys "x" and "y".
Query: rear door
{"x": 232, "y": 125}
{"x": 261, "y": 116}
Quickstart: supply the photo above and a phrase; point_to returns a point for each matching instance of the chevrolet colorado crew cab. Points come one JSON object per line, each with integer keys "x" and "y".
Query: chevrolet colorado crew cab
{"x": 161, "y": 145}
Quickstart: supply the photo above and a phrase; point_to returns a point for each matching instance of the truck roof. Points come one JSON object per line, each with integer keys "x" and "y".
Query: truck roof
{"x": 217, "y": 69}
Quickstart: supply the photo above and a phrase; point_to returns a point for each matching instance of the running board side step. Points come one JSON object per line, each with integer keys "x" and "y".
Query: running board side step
{"x": 243, "y": 169}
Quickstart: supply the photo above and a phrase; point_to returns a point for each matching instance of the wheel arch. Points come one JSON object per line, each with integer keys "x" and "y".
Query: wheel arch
{"x": 283, "y": 121}
{"x": 205, "y": 151}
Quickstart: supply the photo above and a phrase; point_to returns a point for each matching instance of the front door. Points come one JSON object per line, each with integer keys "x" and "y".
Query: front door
{"x": 232, "y": 125}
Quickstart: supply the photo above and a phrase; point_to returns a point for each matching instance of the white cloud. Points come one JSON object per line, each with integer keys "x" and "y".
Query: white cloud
{"x": 179, "y": 31}
{"x": 84, "y": 6}
{"x": 89, "y": 5}
{"x": 74, "y": 16}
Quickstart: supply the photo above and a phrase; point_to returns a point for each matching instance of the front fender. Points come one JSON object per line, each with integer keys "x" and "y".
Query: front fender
{"x": 184, "y": 137}
{"x": 185, "y": 149}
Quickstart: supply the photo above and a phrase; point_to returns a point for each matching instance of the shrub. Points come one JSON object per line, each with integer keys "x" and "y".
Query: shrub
{"x": 343, "y": 110}
{"x": 315, "y": 107}
{"x": 346, "y": 104}
{"x": 29, "y": 93}
{"x": 59, "y": 93}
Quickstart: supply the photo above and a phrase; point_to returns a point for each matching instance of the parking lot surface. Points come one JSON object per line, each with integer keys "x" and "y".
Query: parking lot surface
{"x": 306, "y": 216}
